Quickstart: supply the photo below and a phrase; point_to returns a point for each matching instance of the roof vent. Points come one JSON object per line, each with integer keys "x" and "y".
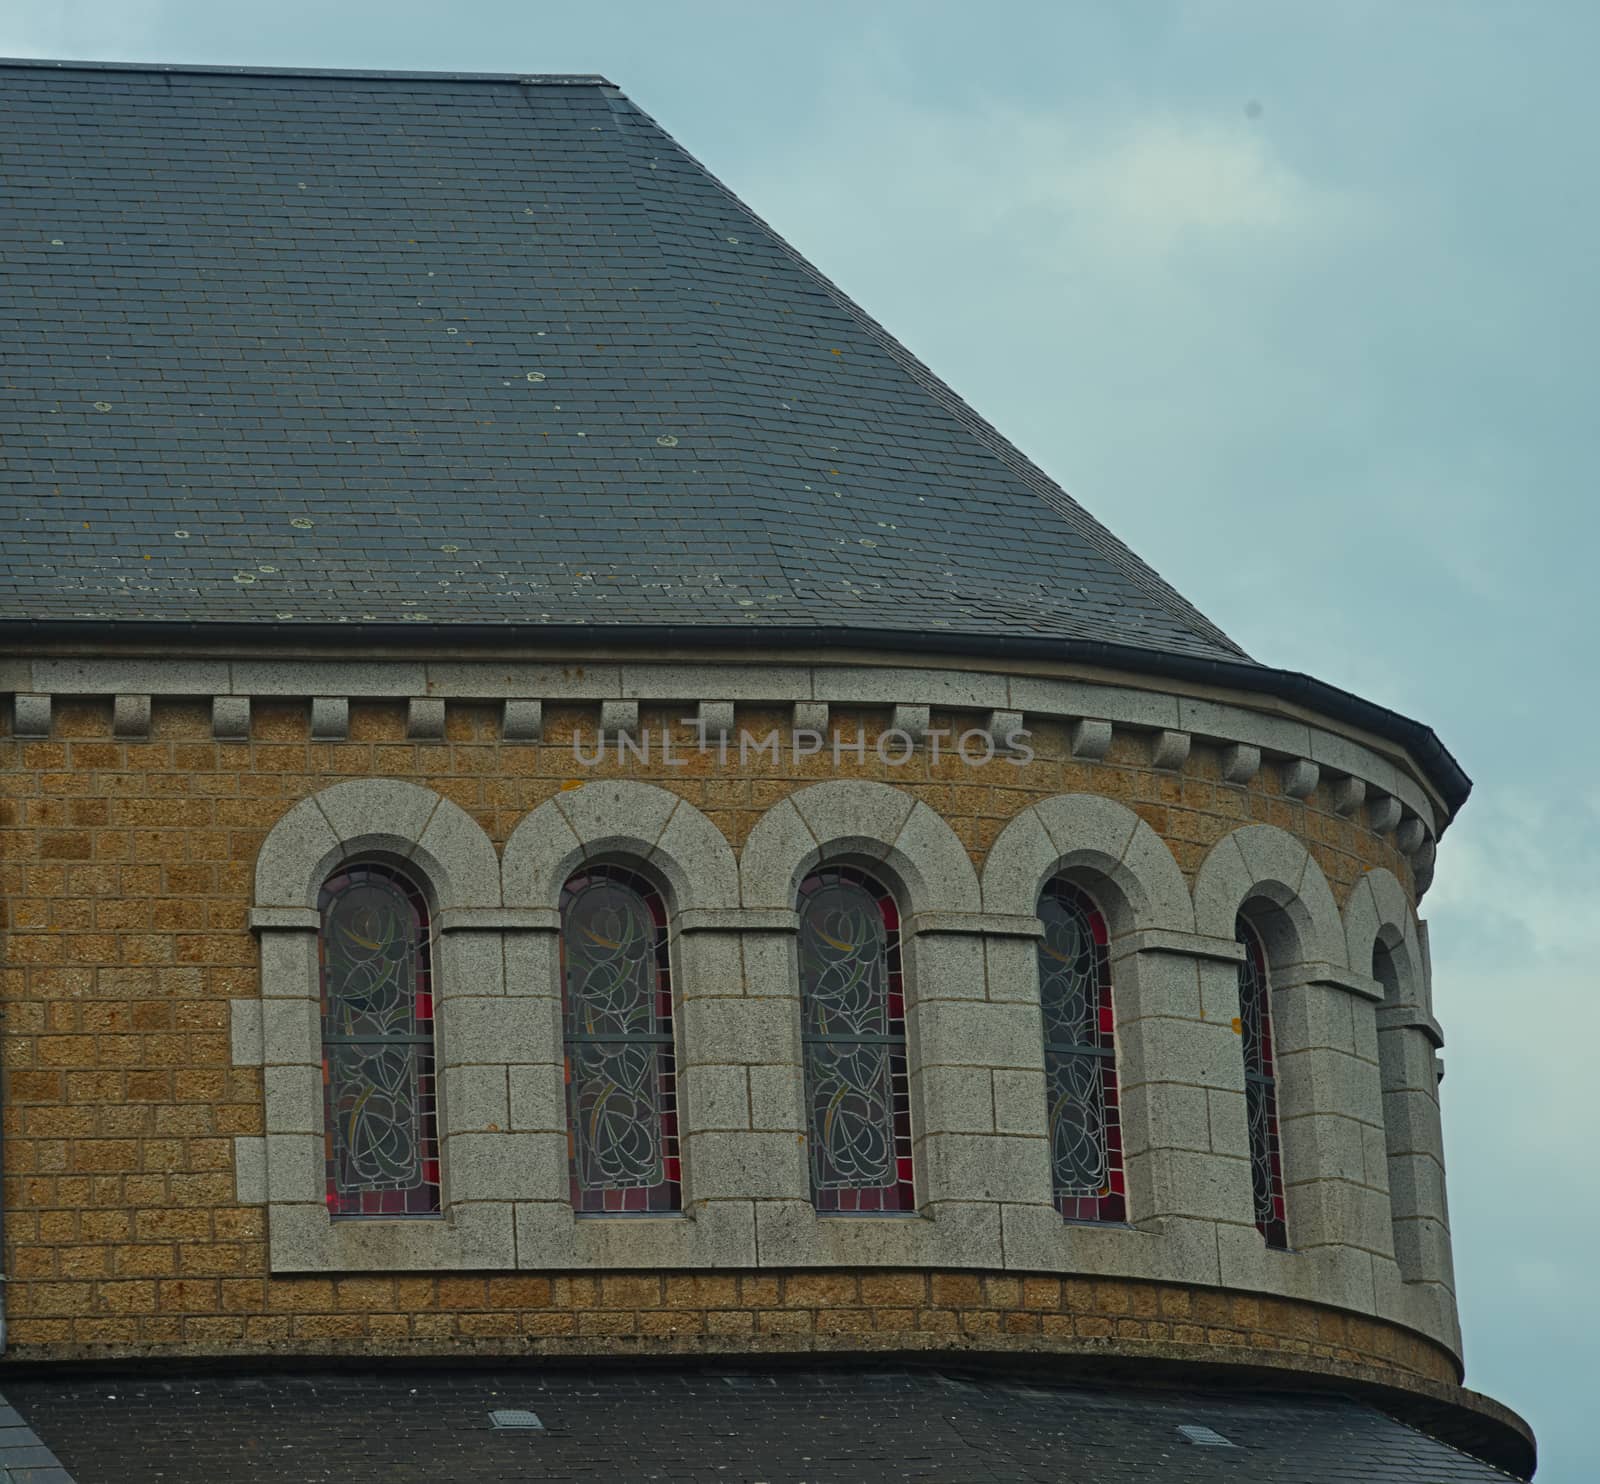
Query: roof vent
{"x": 1204, "y": 1437}
{"x": 510, "y": 1417}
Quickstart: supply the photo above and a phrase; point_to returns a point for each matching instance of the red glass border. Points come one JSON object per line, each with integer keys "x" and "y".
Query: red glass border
{"x": 898, "y": 1195}
{"x": 666, "y": 1194}
{"x": 424, "y": 1198}
{"x": 1111, "y": 1203}
{"x": 1271, "y": 1222}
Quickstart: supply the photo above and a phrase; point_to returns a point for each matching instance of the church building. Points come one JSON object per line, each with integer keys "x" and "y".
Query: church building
{"x": 561, "y": 795}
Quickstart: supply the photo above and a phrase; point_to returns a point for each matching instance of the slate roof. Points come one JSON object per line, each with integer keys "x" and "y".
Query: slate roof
{"x": 810, "y": 1425}
{"x": 302, "y": 348}
{"x": 343, "y": 357}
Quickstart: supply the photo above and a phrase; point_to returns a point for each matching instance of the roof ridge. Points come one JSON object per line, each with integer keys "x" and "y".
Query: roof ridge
{"x": 1043, "y": 487}
{"x": 559, "y": 79}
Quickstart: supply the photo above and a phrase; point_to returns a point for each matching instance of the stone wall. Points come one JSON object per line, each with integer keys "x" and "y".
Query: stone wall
{"x": 126, "y": 871}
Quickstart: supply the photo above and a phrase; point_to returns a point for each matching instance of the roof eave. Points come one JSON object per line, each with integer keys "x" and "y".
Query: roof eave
{"x": 1420, "y": 741}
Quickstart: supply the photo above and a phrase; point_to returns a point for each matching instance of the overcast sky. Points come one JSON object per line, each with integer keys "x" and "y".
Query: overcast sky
{"x": 1300, "y": 300}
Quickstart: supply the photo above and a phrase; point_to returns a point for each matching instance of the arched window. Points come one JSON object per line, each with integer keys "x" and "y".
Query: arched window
{"x": 1260, "y": 1086}
{"x": 380, "y": 1107}
{"x": 852, "y": 996}
{"x": 1080, "y": 1067}
{"x": 622, "y": 1107}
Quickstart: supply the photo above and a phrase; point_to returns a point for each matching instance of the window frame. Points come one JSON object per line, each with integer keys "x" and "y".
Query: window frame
{"x": 1267, "y": 1183}
{"x": 896, "y": 1196}
{"x": 1109, "y": 1205}
{"x": 665, "y": 1197}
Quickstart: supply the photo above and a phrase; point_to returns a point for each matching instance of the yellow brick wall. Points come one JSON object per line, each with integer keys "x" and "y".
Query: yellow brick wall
{"x": 125, "y": 877}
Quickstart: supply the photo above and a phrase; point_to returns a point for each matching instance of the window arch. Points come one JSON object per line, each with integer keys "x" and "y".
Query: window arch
{"x": 621, "y": 1074}
{"x": 1261, "y": 1086}
{"x": 852, "y": 993}
{"x": 1080, "y": 1064}
{"x": 379, "y": 1087}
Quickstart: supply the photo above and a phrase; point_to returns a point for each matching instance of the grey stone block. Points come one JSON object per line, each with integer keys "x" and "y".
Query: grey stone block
{"x": 710, "y": 966}
{"x": 1089, "y": 740}
{"x": 1218, "y": 721}
{"x": 760, "y": 681}
{"x": 1201, "y": 1054}
{"x": 987, "y": 1167}
{"x": 294, "y": 1099}
{"x": 1154, "y": 985}
{"x": 715, "y": 719}
{"x": 492, "y": 1030}
{"x": 846, "y": 810}
{"x": 972, "y": 924}
{"x": 713, "y": 1098}
{"x": 1187, "y": 945}
{"x": 425, "y": 718}
{"x": 696, "y": 858}
{"x": 878, "y": 685}
{"x": 322, "y": 678}
{"x": 948, "y": 967}
{"x": 1020, "y": 1103}
{"x": 977, "y": 1033}
{"x": 460, "y": 858}
{"x": 732, "y": 1031}
{"x": 619, "y": 719}
{"x": 1002, "y": 725}
{"x": 244, "y": 1032}
{"x": 1167, "y": 1115}
{"x": 250, "y": 1169}
{"x": 1300, "y": 778}
{"x": 289, "y": 965}
{"x": 1207, "y": 1186}
{"x": 478, "y": 1235}
{"x": 1347, "y": 795}
{"x": 477, "y": 680}
{"x": 130, "y": 676}
{"x": 30, "y": 716}
{"x": 330, "y": 718}
{"x": 730, "y": 1165}
{"x": 736, "y": 920}
{"x": 522, "y": 1166}
{"x": 940, "y": 872}
{"x": 291, "y": 1032}
{"x": 912, "y": 720}
{"x": 811, "y": 716}
{"x": 361, "y": 808}
{"x": 284, "y": 920}
{"x": 957, "y": 1100}
{"x": 130, "y": 716}
{"x": 522, "y": 721}
{"x": 1169, "y": 750}
{"x": 297, "y": 1168}
{"x": 470, "y": 963}
{"x": 230, "y": 718}
{"x": 1383, "y": 813}
{"x": 1017, "y": 865}
{"x": 475, "y": 1100}
{"x": 1409, "y": 837}
{"x": 538, "y": 1098}
{"x": 777, "y": 1099}
{"x": 1240, "y": 762}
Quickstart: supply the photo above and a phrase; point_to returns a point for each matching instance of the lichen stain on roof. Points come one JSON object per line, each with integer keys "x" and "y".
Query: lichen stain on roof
{"x": 215, "y": 284}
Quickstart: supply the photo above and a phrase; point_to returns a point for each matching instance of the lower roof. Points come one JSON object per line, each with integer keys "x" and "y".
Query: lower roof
{"x": 683, "y": 1421}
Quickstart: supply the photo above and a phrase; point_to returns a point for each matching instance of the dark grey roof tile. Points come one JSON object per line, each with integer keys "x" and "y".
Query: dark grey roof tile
{"x": 326, "y": 293}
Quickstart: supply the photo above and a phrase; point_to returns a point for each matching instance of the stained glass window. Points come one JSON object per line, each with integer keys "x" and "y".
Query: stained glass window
{"x": 379, "y": 1099}
{"x": 1080, "y": 1066}
{"x": 853, "y": 1025}
{"x": 1261, "y": 1087}
{"x": 622, "y": 1110}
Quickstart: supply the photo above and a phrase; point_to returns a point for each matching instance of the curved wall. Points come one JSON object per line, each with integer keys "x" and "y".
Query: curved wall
{"x": 184, "y": 832}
